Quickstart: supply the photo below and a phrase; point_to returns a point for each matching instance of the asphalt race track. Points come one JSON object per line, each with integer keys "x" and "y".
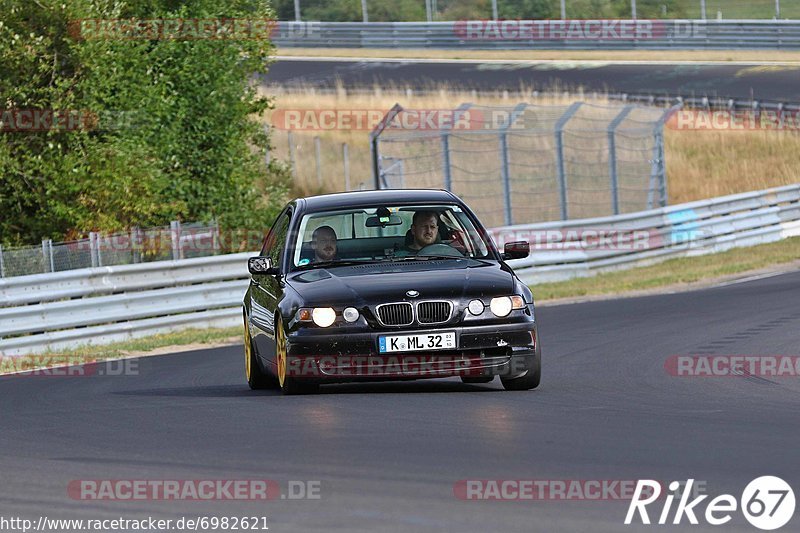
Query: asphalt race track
{"x": 387, "y": 455}
{"x": 740, "y": 81}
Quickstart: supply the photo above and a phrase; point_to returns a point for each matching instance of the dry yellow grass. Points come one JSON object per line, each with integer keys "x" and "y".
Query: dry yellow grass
{"x": 756, "y": 56}
{"x": 700, "y": 164}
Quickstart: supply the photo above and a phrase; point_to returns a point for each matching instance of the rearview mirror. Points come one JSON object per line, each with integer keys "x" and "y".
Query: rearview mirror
{"x": 261, "y": 265}
{"x": 516, "y": 250}
{"x": 383, "y": 221}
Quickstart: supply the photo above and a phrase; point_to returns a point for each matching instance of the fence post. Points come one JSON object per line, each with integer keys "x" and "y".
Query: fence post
{"x": 266, "y": 151}
{"x": 364, "y": 13}
{"x": 494, "y": 9}
{"x": 47, "y": 256}
{"x": 612, "y": 156}
{"x": 292, "y": 158}
{"x": 633, "y": 9}
{"x": 508, "y": 220}
{"x": 346, "y": 160}
{"x": 297, "y": 10}
{"x": 563, "y": 9}
{"x": 215, "y": 236}
{"x": 93, "y": 248}
{"x": 2, "y": 264}
{"x": 136, "y": 253}
{"x": 374, "y": 139}
{"x": 703, "y": 9}
{"x": 448, "y": 177}
{"x": 777, "y": 9}
{"x": 318, "y": 157}
{"x": 175, "y": 236}
{"x": 50, "y": 251}
{"x": 562, "y": 171}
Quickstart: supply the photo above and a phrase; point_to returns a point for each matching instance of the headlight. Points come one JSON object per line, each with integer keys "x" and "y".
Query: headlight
{"x": 476, "y": 307}
{"x": 323, "y": 316}
{"x": 503, "y": 305}
{"x": 350, "y": 314}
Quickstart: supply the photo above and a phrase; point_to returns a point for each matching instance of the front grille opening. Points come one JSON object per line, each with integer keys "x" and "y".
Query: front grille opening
{"x": 433, "y": 312}
{"x": 399, "y": 314}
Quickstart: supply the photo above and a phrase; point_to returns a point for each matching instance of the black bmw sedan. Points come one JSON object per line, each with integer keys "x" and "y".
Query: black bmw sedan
{"x": 386, "y": 285}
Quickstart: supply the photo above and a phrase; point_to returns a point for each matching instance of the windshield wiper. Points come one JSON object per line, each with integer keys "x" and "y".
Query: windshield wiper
{"x": 336, "y": 262}
{"x": 423, "y": 257}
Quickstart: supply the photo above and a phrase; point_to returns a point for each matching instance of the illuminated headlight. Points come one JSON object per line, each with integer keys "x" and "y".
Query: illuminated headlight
{"x": 323, "y": 316}
{"x": 503, "y": 305}
{"x": 476, "y": 307}
{"x": 350, "y": 314}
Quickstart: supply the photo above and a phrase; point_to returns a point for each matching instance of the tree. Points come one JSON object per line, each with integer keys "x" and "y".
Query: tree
{"x": 172, "y": 130}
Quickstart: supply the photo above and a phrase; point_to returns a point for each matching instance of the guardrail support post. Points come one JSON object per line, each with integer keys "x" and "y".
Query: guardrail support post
{"x": 346, "y": 160}
{"x": 562, "y": 171}
{"x": 2, "y": 264}
{"x": 175, "y": 236}
{"x": 612, "y": 156}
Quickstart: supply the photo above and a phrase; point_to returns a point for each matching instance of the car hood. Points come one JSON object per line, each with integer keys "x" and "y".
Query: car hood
{"x": 373, "y": 284}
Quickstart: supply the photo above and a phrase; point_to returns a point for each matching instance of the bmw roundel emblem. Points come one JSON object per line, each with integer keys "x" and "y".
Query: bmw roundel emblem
{"x": 412, "y": 293}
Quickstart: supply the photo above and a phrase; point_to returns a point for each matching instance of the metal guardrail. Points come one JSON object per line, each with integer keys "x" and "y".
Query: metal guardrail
{"x": 545, "y": 34}
{"x": 566, "y": 249}
{"x": 50, "y": 312}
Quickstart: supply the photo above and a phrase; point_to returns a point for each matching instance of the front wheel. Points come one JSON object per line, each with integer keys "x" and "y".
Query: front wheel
{"x": 531, "y": 378}
{"x": 256, "y": 378}
{"x": 288, "y": 384}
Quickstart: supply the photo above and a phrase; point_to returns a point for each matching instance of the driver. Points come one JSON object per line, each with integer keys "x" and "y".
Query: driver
{"x": 424, "y": 229}
{"x": 323, "y": 242}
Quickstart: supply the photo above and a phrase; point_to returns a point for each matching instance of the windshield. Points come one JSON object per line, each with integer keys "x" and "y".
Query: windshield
{"x": 387, "y": 233}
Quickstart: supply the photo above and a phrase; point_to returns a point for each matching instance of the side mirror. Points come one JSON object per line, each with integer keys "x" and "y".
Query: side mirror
{"x": 516, "y": 250}
{"x": 261, "y": 265}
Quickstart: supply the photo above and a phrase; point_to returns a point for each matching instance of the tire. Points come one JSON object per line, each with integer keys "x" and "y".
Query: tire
{"x": 475, "y": 380}
{"x": 530, "y": 380}
{"x": 288, "y": 384}
{"x": 256, "y": 378}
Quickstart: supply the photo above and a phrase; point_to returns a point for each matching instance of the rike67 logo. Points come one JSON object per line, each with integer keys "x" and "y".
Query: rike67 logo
{"x": 767, "y": 503}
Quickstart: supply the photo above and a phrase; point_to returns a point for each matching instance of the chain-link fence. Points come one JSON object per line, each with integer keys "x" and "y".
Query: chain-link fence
{"x": 531, "y": 163}
{"x": 177, "y": 241}
{"x": 443, "y": 10}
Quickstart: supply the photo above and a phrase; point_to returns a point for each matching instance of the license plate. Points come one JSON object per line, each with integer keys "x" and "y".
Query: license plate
{"x": 414, "y": 343}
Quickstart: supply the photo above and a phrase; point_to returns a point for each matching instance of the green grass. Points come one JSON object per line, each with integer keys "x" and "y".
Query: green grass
{"x": 90, "y": 354}
{"x": 674, "y": 271}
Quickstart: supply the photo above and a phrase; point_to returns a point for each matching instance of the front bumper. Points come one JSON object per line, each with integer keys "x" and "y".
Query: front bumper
{"x": 483, "y": 350}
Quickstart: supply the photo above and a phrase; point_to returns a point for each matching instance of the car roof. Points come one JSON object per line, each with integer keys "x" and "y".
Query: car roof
{"x": 376, "y": 197}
